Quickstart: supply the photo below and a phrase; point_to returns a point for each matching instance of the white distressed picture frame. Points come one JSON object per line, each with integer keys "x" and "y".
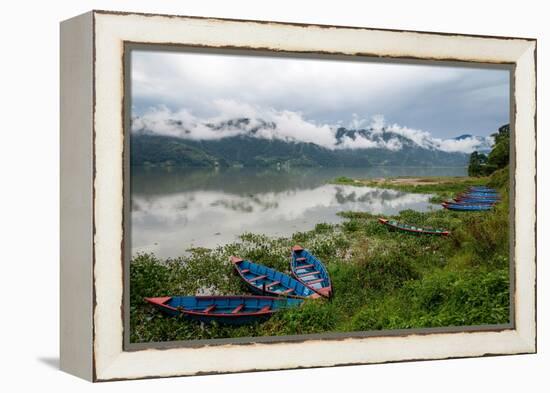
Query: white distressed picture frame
{"x": 92, "y": 195}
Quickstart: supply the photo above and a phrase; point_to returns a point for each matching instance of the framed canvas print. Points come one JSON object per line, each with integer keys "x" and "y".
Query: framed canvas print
{"x": 247, "y": 195}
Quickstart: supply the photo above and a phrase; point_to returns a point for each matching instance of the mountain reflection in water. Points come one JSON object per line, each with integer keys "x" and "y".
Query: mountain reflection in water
{"x": 172, "y": 210}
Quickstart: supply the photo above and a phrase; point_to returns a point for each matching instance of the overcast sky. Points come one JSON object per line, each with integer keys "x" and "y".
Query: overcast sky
{"x": 442, "y": 101}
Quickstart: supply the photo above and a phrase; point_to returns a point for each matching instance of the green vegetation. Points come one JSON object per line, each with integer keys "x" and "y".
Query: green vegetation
{"x": 442, "y": 187}
{"x": 381, "y": 279}
{"x": 477, "y": 164}
{"x": 151, "y": 150}
{"x": 499, "y": 157}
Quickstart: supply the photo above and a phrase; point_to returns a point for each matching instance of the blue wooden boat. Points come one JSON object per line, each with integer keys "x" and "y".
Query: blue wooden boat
{"x": 478, "y": 196}
{"x": 482, "y": 193}
{"x": 310, "y": 271}
{"x": 471, "y": 202}
{"x": 474, "y": 199}
{"x": 228, "y": 310}
{"x": 457, "y": 206}
{"x": 264, "y": 280}
{"x": 413, "y": 228}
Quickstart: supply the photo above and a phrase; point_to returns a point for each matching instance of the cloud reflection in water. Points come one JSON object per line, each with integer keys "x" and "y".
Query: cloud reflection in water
{"x": 168, "y": 224}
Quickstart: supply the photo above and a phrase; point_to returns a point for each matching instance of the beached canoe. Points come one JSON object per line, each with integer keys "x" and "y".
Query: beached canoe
{"x": 310, "y": 271}
{"x": 482, "y": 193}
{"x": 264, "y": 280}
{"x": 229, "y": 310}
{"x": 475, "y": 201}
{"x": 459, "y": 201}
{"x": 413, "y": 228}
{"x": 480, "y": 197}
{"x": 460, "y": 207}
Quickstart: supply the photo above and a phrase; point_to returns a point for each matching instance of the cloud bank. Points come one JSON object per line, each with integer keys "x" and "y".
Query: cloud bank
{"x": 233, "y": 118}
{"x": 446, "y": 101}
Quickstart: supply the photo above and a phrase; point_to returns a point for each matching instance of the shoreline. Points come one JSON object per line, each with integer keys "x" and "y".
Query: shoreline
{"x": 382, "y": 279}
{"x": 442, "y": 187}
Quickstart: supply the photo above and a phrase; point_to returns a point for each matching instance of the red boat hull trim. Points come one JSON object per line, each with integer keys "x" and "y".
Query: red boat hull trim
{"x": 231, "y": 310}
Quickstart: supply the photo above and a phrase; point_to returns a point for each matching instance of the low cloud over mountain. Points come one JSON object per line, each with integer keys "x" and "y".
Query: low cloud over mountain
{"x": 446, "y": 101}
{"x": 235, "y": 119}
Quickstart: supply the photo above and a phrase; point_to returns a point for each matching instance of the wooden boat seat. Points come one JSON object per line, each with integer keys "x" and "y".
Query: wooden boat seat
{"x": 237, "y": 309}
{"x": 257, "y": 278}
{"x": 244, "y": 271}
{"x": 304, "y": 266}
{"x": 209, "y": 309}
{"x": 288, "y": 291}
{"x": 300, "y": 259}
{"x": 272, "y": 284}
{"x": 309, "y": 274}
{"x": 265, "y": 308}
{"x": 314, "y": 281}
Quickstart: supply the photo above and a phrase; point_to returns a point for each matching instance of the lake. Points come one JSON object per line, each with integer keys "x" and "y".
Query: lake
{"x": 175, "y": 209}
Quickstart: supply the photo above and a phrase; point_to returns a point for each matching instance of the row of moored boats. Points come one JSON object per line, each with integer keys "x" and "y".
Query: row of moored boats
{"x": 479, "y": 198}
{"x": 273, "y": 291}
{"x": 475, "y": 199}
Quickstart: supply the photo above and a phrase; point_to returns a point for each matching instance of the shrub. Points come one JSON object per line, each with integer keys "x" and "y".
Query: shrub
{"x": 351, "y": 225}
{"x": 453, "y": 299}
{"x": 323, "y": 227}
{"x": 386, "y": 272}
{"x": 443, "y": 298}
{"x": 310, "y": 317}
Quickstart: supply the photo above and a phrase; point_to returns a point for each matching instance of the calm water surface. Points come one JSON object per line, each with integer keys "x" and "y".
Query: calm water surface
{"x": 175, "y": 209}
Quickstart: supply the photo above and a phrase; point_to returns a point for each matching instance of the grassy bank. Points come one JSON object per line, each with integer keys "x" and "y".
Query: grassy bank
{"x": 441, "y": 187}
{"x": 381, "y": 279}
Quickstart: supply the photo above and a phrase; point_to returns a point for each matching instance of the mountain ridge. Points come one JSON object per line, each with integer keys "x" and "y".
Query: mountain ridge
{"x": 258, "y": 143}
{"x": 247, "y": 151}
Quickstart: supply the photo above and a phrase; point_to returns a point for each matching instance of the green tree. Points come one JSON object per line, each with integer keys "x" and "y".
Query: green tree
{"x": 499, "y": 157}
{"x": 477, "y": 164}
{"x": 483, "y": 165}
